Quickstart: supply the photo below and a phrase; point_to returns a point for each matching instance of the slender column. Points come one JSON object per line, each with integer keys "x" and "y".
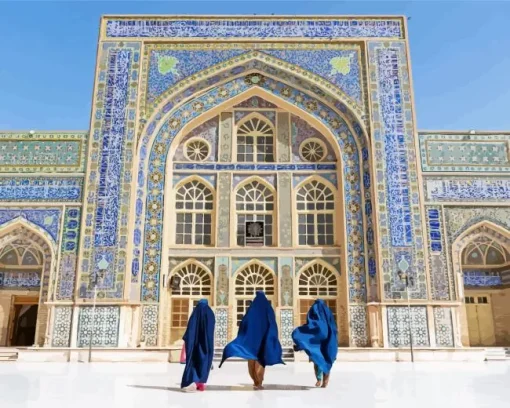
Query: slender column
{"x": 226, "y": 141}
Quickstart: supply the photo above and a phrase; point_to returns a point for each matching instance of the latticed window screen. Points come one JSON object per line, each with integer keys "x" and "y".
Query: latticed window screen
{"x": 195, "y": 281}
{"x": 313, "y": 150}
{"x": 253, "y": 278}
{"x": 180, "y": 313}
{"x": 255, "y": 202}
{"x": 194, "y": 205}
{"x": 306, "y": 304}
{"x": 255, "y": 141}
{"x": 315, "y": 206}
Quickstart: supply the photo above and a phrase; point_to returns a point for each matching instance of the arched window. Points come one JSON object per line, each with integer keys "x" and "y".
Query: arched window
{"x": 255, "y": 140}
{"x": 254, "y": 202}
{"x": 194, "y": 204}
{"x": 316, "y": 281}
{"x": 194, "y": 283}
{"x": 248, "y": 281}
{"x": 484, "y": 251}
{"x": 315, "y": 207}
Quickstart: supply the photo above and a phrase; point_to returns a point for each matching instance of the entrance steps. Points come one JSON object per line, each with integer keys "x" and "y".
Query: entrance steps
{"x": 287, "y": 355}
{"x": 8, "y": 354}
{"x": 496, "y": 353}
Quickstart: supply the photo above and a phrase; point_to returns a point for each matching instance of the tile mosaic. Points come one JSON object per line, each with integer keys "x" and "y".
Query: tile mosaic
{"x": 47, "y": 219}
{"x": 399, "y": 321}
{"x": 106, "y": 326}
{"x": 48, "y": 152}
{"x": 51, "y": 189}
{"x": 254, "y": 28}
{"x": 443, "y": 326}
{"x": 69, "y": 254}
{"x": 221, "y": 329}
{"x": 465, "y": 152}
{"x": 63, "y": 316}
{"x": 149, "y": 329}
{"x": 286, "y": 327}
{"x": 467, "y": 189}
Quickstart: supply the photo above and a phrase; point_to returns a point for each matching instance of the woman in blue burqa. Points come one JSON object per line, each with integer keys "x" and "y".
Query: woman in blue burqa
{"x": 199, "y": 345}
{"x": 257, "y": 340}
{"x": 319, "y": 339}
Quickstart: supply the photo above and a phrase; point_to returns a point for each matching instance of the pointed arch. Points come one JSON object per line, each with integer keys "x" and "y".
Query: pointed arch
{"x": 252, "y": 277}
{"x": 255, "y": 139}
{"x": 326, "y": 118}
{"x": 17, "y": 229}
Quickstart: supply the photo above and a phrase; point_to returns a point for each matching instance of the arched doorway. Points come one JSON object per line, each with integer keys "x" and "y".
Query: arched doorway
{"x": 191, "y": 282}
{"x": 485, "y": 263}
{"x": 247, "y": 281}
{"x": 25, "y": 268}
{"x": 317, "y": 280}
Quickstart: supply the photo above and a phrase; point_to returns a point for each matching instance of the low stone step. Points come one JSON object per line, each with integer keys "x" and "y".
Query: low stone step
{"x": 495, "y": 353}
{"x": 8, "y": 356}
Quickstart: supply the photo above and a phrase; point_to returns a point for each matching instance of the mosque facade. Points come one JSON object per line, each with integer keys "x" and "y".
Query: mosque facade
{"x": 227, "y": 155}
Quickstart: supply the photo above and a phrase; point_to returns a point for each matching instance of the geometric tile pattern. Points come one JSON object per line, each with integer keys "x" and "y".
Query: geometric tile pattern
{"x": 443, "y": 326}
{"x": 398, "y": 206}
{"x": 69, "y": 254}
{"x": 41, "y": 189}
{"x": 398, "y": 326}
{"x": 464, "y": 152}
{"x": 43, "y": 152}
{"x": 109, "y": 179}
{"x": 466, "y": 189}
{"x": 63, "y": 316}
{"x": 106, "y": 326}
{"x": 359, "y": 332}
{"x": 286, "y": 327}
{"x": 441, "y": 278}
{"x": 253, "y": 28}
{"x": 149, "y": 330}
{"x": 221, "y": 329}
{"x": 459, "y": 219}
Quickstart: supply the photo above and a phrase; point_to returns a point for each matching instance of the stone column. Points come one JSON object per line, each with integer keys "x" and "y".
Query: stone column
{"x": 285, "y": 209}
{"x": 283, "y": 137}
{"x": 374, "y": 318}
{"x": 223, "y": 218}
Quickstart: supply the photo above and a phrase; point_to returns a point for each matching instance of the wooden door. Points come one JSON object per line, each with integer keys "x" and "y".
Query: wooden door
{"x": 480, "y": 321}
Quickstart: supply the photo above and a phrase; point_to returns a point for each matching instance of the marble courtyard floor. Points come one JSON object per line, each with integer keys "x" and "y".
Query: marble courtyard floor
{"x": 154, "y": 385}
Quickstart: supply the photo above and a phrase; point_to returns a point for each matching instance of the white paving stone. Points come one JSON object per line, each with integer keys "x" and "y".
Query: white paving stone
{"x": 154, "y": 385}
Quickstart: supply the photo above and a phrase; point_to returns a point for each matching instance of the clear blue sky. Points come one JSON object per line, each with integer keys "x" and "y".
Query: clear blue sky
{"x": 460, "y": 56}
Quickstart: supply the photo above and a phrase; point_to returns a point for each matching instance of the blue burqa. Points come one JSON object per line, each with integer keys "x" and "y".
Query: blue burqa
{"x": 257, "y": 338}
{"x": 199, "y": 344}
{"x": 318, "y": 337}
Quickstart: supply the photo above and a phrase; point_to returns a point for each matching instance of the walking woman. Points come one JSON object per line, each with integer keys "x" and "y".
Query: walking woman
{"x": 318, "y": 338}
{"x": 257, "y": 340}
{"x": 199, "y": 346}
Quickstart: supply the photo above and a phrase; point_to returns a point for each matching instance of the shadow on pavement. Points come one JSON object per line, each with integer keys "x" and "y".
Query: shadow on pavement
{"x": 242, "y": 387}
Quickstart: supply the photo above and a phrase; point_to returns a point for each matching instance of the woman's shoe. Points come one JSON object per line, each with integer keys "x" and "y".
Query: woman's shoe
{"x": 190, "y": 388}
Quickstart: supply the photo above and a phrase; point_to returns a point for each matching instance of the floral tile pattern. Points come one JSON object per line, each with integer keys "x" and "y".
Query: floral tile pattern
{"x": 221, "y": 329}
{"x": 149, "y": 331}
{"x": 399, "y": 322}
{"x": 286, "y": 327}
{"x": 105, "y": 326}
{"x": 69, "y": 254}
{"x": 443, "y": 326}
{"x": 62, "y": 326}
{"x": 48, "y": 152}
{"x": 465, "y": 152}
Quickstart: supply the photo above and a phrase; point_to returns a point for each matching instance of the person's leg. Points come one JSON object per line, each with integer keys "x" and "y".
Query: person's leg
{"x": 318, "y": 375}
{"x": 325, "y": 380}
{"x": 251, "y": 371}
{"x": 259, "y": 372}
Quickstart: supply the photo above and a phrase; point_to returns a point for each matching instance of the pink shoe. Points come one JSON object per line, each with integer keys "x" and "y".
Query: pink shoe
{"x": 200, "y": 387}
